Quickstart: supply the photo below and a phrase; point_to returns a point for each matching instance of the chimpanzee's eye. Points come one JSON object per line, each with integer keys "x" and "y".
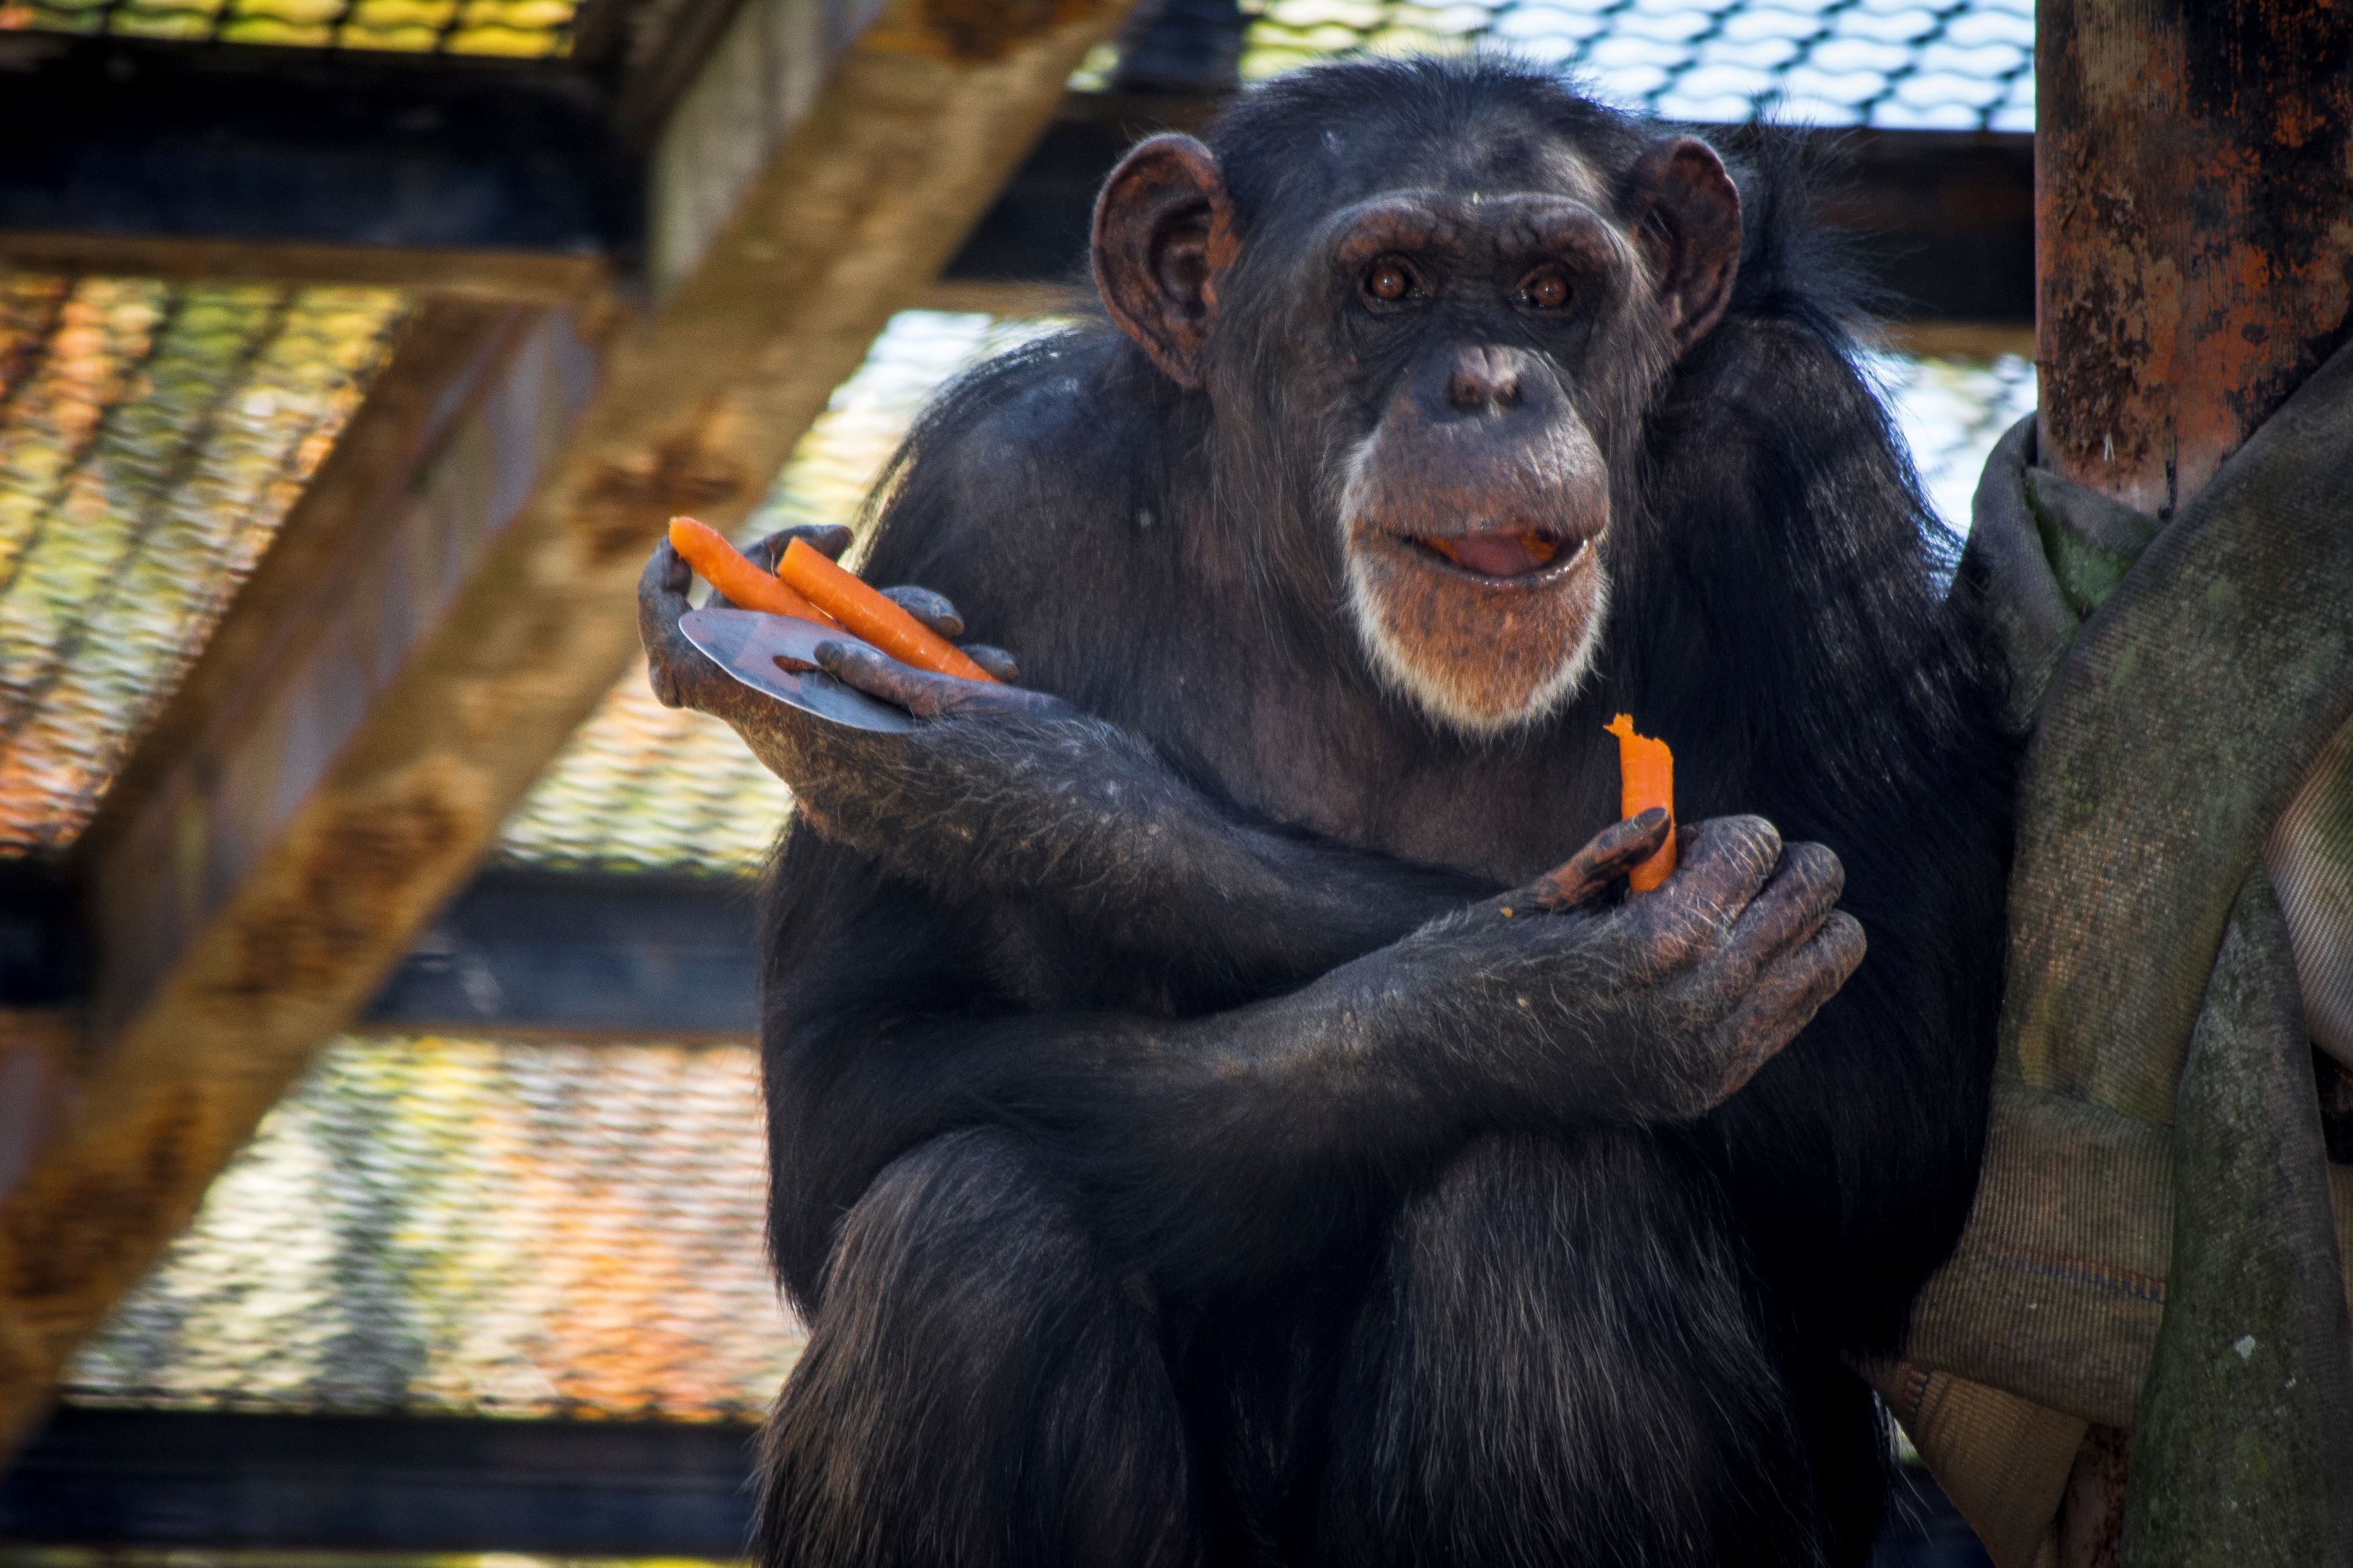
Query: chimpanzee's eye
{"x": 1389, "y": 280}
{"x": 1545, "y": 290}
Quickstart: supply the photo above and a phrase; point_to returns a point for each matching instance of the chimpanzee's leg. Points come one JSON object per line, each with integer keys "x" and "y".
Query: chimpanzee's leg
{"x": 975, "y": 1391}
{"x": 1567, "y": 1362}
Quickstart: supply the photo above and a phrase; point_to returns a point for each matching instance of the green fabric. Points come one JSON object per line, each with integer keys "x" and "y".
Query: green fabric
{"x": 2241, "y": 1452}
{"x": 2184, "y": 688}
{"x": 2177, "y": 727}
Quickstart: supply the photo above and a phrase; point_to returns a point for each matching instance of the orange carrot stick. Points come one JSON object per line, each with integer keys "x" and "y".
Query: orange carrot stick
{"x": 871, "y": 615}
{"x": 743, "y": 585}
{"x": 1646, "y": 777}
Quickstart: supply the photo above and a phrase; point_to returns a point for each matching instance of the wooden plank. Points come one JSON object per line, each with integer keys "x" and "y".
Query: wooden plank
{"x": 281, "y": 865}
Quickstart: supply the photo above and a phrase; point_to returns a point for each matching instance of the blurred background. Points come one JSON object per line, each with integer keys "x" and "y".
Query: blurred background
{"x": 381, "y": 1168}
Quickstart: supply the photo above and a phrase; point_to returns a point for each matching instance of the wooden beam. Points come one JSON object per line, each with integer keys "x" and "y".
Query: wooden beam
{"x": 1942, "y": 222}
{"x": 578, "y": 955}
{"x": 164, "y": 1479}
{"x": 491, "y": 277}
{"x": 487, "y": 180}
{"x": 245, "y": 882}
{"x": 287, "y": 856}
{"x": 398, "y": 1484}
{"x": 601, "y": 1489}
{"x": 133, "y": 139}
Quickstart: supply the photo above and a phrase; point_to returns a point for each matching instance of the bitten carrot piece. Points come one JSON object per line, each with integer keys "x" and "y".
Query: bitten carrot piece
{"x": 1646, "y": 777}
{"x": 868, "y": 614}
{"x": 745, "y": 585}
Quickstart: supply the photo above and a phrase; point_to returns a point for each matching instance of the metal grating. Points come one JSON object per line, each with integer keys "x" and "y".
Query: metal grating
{"x": 526, "y": 29}
{"x": 152, "y": 438}
{"x": 1929, "y": 64}
{"x": 469, "y": 1226}
{"x": 1951, "y": 412}
{"x": 644, "y": 787}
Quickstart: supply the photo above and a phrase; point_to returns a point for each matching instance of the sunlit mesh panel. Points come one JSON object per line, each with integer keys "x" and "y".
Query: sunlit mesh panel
{"x": 1951, "y": 412}
{"x": 1899, "y": 64}
{"x": 519, "y": 29}
{"x": 467, "y": 1226}
{"x": 152, "y": 438}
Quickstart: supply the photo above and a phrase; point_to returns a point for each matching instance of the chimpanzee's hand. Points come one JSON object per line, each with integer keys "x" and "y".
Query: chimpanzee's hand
{"x": 1654, "y": 1008}
{"x": 683, "y": 676}
{"x": 992, "y": 769}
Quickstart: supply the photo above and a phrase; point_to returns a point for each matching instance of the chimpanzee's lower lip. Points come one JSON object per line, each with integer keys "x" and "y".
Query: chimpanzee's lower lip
{"x": 1568, "y": 554}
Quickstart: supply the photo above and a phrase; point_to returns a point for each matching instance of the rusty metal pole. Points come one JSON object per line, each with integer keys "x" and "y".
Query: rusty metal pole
{"x": 2194, "y": 263}
{"x": 2193, "y": 216}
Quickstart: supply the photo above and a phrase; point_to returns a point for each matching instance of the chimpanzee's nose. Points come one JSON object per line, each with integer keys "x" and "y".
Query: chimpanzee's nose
{"x": 1484, "y": 378}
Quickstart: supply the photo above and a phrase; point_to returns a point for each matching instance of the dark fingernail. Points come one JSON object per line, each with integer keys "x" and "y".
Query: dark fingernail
{"x": 1651, "y": 820}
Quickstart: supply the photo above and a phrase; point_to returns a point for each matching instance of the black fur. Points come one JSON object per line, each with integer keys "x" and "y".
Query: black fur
{"x": 1076, "y": 1299}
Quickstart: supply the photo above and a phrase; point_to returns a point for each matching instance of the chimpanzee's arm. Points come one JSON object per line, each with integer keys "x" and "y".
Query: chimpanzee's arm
{"x": 1228, "y": 1142}
{"x": 1008, "y": 792}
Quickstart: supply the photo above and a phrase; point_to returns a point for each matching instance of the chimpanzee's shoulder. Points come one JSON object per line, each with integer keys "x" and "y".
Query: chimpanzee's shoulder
{"x": 1020, "y": 485}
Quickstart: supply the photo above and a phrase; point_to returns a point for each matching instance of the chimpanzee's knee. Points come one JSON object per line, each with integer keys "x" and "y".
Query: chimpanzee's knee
{"x": 976, "y": 1390}
{"x": 1567, "y": 1361}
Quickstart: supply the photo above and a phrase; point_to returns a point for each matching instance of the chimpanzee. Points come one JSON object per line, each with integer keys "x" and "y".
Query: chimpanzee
{"x": 1185, "y": 1150}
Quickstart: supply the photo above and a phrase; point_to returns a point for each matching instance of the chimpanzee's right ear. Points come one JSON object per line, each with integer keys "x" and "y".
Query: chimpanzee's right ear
{"x": 1163, "y": 236}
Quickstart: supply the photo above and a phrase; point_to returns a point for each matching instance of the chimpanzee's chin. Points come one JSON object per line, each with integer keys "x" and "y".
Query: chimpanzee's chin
{"x": 1480, "y": 656}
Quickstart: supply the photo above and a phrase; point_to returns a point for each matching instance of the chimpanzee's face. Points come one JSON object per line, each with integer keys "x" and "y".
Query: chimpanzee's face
{"x": 1474, "y": 500}
{"x": 1469, "y": 367}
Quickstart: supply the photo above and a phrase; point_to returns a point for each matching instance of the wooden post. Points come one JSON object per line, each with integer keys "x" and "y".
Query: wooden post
{"x": 2194, "y": 264}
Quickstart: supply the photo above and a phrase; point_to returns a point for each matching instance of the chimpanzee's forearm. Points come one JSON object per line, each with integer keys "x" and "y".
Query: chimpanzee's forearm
{"x": 1082, "y": 816}
{"x": 1024, "y": 796}
{"x": 1217, "y": 1142}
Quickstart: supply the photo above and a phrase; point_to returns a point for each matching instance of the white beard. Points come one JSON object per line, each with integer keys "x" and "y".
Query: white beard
{"x": 1435, "y": 688}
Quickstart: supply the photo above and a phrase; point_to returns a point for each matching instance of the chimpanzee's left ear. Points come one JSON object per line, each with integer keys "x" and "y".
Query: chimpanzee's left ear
{"x": 1163, "y": 234}
{"x": 1686, "y": 216}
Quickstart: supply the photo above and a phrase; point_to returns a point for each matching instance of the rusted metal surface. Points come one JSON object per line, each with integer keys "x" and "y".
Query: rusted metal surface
{"x": 2193, "y": 228}
{"x": 279, "y": 864}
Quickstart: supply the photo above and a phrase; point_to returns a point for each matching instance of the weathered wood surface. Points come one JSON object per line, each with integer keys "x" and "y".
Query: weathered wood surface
{"x": 278, "y": 869}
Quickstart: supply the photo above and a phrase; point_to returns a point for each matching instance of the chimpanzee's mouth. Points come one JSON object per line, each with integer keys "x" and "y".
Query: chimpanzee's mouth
{"x": 1505, "y": 554}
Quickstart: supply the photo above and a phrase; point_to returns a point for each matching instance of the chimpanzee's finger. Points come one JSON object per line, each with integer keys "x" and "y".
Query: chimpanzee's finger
{"x": 919, "y": 691}
{"x": 1786, "y": 998}
{"x": 1793, "y": 907}
{"x": 930, "y": 696}
{"x": 1607, "y": 856}
{"x": 933, "y": 609}
{"x": 827, "y": 539}
{"x": 995, "y": 661}
{"x": 661, "y": 600}
{"x": 1719, "y": 870}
